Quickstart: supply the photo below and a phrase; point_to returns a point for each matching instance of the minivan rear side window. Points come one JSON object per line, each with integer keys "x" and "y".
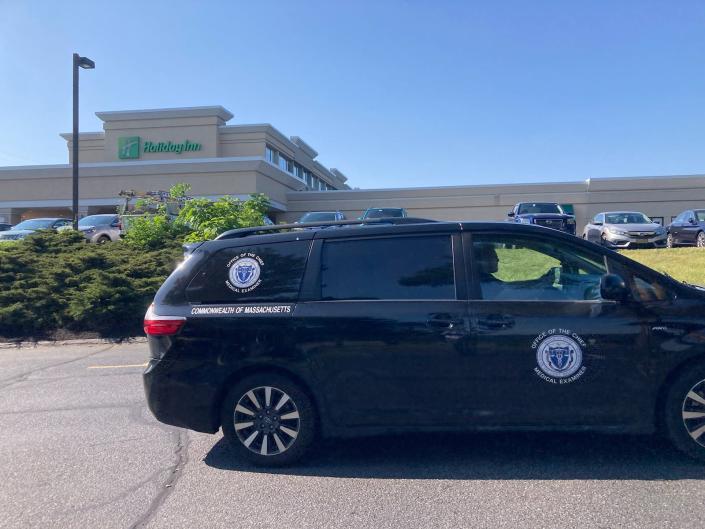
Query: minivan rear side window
{"x": 419, "y": 267}
{"x": 257, "y": 273}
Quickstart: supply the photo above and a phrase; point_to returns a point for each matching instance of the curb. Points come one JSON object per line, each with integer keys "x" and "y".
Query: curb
{"x": 56, "y": 343}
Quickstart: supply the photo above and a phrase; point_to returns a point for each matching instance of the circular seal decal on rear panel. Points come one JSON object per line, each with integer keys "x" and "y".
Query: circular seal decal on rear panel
{"x": 559, "y": 356}
{"x": 244, "y": 272}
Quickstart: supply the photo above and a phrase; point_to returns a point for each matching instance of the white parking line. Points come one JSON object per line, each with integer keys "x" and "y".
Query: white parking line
{"x": 118, "y": 367}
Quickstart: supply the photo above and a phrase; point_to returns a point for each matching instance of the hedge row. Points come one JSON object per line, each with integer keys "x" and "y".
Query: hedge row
{"x": 56, "y": 284}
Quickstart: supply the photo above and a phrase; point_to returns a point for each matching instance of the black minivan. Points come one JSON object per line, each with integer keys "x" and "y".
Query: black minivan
{"x": 281, "y": 334}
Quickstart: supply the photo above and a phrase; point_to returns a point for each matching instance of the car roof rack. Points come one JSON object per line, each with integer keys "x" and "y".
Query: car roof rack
{"x": 257, "y": 230}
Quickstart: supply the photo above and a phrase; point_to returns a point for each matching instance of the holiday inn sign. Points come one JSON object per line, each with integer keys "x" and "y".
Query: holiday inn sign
{"x": 130, "y": 147}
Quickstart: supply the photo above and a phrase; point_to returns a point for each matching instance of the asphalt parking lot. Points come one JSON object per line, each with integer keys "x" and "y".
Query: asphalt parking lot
{"x": 80, "y": 449}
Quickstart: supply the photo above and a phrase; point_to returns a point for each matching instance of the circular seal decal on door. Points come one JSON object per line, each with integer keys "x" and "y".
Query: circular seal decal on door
{"x": 559, "y": 357}
{"x": 244, "y": 273}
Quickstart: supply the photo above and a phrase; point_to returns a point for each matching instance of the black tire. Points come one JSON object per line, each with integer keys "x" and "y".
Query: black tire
{"x": 269, "y": 430}
{"x": 684, "y": 403}
{"x": 700, "y": 240}
{"x": 669, "y": 241}
{"x": 102, "y": 239}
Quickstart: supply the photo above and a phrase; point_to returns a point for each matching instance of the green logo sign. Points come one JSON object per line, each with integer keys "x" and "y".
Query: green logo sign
{"x": 129, "y": 147}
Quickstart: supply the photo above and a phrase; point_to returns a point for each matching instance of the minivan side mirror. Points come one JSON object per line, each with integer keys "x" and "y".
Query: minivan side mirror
{"x": 613, "y": 287}
{"x": 692, "y": 220}
{"x": 510, "y": 214}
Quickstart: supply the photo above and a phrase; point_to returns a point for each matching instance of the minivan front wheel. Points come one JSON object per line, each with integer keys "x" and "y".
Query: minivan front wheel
{"x": 268, "y": 420}
{"x": 684, "y": 413}
{"x": 700, "y": 241}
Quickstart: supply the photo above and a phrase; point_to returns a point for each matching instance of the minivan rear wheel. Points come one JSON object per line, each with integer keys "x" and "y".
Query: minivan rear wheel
{"x": 684, "y": 413}
{"x": 268, "y": 420}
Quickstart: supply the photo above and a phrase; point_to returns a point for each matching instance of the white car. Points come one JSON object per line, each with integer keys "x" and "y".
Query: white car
{"x": 27, "y": 227}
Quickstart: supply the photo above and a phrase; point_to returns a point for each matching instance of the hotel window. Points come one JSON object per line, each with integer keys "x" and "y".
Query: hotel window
{"x": 273, "y": 156}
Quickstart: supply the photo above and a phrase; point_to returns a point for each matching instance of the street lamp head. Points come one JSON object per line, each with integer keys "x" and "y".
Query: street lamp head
{"x": 86, "y": 63}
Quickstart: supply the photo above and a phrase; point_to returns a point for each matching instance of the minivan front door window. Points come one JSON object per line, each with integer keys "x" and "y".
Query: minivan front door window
{"x": 515, "y": 268}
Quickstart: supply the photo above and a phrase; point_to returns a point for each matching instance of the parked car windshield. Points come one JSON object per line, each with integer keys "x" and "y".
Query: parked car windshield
{"x": 627, "y": 218}
{"x": 35, "y": 224}
{"x": 96, "y": 220}
{"x": 318, "y": 216}
{"x": 539, "y": 208}
{"x": 379, "y": 213}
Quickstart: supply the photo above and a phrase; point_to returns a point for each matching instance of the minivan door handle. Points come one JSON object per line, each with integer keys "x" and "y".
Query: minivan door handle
{"x": 444, "y": 321}
{"x": 496, "y": 321}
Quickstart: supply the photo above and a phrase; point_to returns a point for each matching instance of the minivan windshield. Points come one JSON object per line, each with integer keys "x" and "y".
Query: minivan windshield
{"x": 318, "y": 216}
{"x": 539, "y": 208}
{"x": 96, "y": 220}
{"x": 35, "y": 224}
{"x": 380, "y": 213}
{"x": 627, "y": 218}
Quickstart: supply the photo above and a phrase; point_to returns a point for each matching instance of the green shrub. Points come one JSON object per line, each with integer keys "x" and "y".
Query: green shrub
{"x": 53, "y": 282}
{"x": 57, "y": 281}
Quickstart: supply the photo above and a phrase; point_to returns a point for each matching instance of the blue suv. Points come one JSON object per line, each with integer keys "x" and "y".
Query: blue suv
{"x": 546, "y": 214}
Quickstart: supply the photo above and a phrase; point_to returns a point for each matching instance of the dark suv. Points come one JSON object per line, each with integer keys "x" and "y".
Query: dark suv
{"x": 279, "y": 335}
{"x": 380, "y": 213}
{"x": 546, "y": 214}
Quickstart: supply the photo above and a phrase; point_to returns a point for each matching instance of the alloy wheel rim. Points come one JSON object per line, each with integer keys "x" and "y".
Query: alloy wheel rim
{"x": 669, "y": 241}
{"x": 701, "y": 240}
{"x": 266, "y": 420}
{"x": 693, "y": 413}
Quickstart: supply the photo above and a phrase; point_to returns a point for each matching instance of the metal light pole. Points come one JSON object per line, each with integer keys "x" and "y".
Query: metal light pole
{"x": 87, "y": 64}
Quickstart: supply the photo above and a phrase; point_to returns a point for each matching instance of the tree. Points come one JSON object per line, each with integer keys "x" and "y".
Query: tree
{"x": 207, "y": 219}
{"x": 198, "y": 219}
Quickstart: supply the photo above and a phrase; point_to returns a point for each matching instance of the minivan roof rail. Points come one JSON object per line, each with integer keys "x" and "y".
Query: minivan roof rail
{"x": 244, "y": 232}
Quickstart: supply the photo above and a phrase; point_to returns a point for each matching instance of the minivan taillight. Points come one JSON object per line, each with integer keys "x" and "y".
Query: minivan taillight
{"x": 162, "y": 325}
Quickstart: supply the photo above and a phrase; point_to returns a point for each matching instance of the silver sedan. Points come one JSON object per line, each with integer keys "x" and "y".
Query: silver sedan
{"x": 625, "y": 229}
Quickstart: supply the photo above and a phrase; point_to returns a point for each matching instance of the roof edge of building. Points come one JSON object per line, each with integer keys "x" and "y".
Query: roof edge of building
{"x": 166, "y": 113}
{"x": 68, "y": 136}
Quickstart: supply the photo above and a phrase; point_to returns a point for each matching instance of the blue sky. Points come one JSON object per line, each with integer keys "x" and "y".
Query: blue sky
{"x": 392, "y": 93}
